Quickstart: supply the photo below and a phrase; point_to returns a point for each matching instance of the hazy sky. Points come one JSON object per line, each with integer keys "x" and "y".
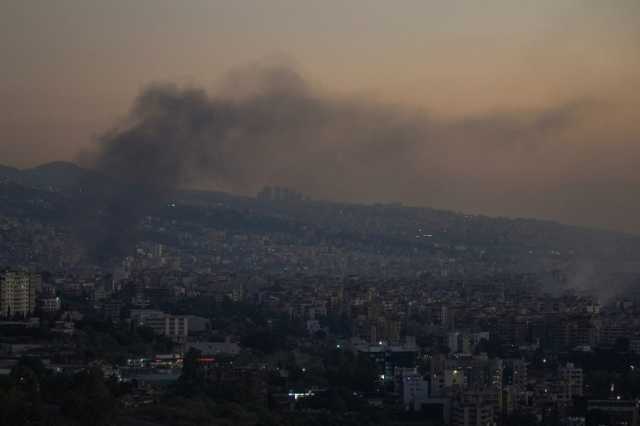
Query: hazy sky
{"x": 70, "y": 70}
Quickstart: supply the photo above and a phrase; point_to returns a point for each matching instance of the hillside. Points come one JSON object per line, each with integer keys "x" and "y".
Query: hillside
{"x": 55, "y": 176}
{"x": 51, "y": 192}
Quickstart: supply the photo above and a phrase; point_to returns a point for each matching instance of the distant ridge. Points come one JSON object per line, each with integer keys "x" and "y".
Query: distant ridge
{"x": 60, "y": 175}
{"x": 55, "y": 192}
{"x": 69, "y": 177}
{"x": 9, "y": 173}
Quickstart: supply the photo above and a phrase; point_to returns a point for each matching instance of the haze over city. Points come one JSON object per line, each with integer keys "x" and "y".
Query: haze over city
{"x": 501, "y": 107}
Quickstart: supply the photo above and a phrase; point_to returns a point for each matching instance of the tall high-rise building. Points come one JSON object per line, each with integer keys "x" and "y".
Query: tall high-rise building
{"x": 157, "y": 250}
{"x": 18, "y": 294}
{"x": 472, "y": 413}
{"x": 571, "y": 381}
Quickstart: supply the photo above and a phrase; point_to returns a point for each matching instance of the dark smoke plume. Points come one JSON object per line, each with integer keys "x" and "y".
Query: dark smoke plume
{"x": 267, "y": 126}
{"x": 270, "y": 127}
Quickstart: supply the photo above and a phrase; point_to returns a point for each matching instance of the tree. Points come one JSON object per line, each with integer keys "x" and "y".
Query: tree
{"x": 518, "y": 418}
{"x": 621, "y": 345}
{"x": 14, "y": 408}
{"x": 192, "y": 380}
{"x": 89, "y": 401}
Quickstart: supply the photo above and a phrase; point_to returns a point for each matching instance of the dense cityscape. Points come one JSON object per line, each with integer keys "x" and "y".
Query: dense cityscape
{"x": 278, "y": 309}
{"x": 319, "y": 213}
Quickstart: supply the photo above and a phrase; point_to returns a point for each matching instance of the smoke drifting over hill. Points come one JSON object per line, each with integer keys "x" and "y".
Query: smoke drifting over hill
{"x": 268, "y": 126}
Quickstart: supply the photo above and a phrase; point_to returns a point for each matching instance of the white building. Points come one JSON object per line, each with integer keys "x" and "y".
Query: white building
{"x": 18, "y": 294}
{"x": 415, "y": 390}
{"x": 49, "y": 304}
{"x": 176, "y": 327}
